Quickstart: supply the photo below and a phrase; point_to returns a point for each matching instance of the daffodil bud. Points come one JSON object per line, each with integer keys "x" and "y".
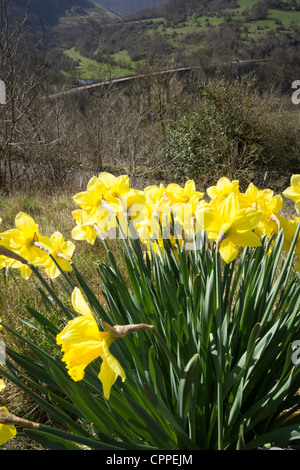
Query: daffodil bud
{"x": 118, "y": 331}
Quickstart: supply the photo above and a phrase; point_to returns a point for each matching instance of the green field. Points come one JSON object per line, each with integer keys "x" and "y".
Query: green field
{"x": 278, "y": 20}
{"x": 91, "y": 69}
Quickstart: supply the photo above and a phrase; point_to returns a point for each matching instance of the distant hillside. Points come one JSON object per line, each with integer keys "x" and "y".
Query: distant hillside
{"x": 128, "y": 7}
{"x": 66, "y": 23}
{"x": 50, "y": 12}
{"x": 237, "y": 36}
{"x": 88, "y": 40}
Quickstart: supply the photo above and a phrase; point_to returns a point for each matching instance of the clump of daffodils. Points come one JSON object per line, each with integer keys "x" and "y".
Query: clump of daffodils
{"x": 231, "y": 219}
{"x": 111, "y": 208}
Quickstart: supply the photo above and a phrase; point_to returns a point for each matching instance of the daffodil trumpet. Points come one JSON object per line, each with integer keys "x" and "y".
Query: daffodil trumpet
{"x": 82, "y": 342}
{"x": 59, "y": 253}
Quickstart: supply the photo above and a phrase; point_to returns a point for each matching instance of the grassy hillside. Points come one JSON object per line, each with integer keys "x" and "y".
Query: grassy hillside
{"x": 176, "y": 27}
{"x": 90, "y": 69}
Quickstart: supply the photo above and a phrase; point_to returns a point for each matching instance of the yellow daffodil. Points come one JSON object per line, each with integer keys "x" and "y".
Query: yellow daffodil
{"x": 121, "y": 202}
{"x": 269, "y": 223}
{"x": 62, "y": 251}
{"x": 90, "y": 200}
{"x": 179, "y": 194}
{"x": 7, "y": 431}
{"x": 116, "y": 185}
{"x": 297, "y": 249}
{"x": 185, "y": 216}
{"x": 223, "y": 188}
{"x": 85, "y": 226}
{"x": 154, "y": 221}
{"x": 289, "y": 228}
{"x": 158, "y": 246}
{"x": 131, "y": 210}
{"x": 119, "y": 195}
{"x": 229, "y": 226}
{"x": 21, "y": 240}
{"x": 82, "y": 342}
{"x": 155, "y": 193}
{"x": 254, "y": 197}
{"x": 293, "y": 191}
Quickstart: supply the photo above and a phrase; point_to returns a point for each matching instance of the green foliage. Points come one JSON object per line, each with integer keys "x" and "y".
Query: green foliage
{"x": 91, "y": 69}
{"x": 215, "y": 373}
{"x": 229, "y": 128}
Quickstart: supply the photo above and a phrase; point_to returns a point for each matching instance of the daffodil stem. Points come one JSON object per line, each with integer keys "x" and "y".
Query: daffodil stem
{"x": 219, "y": 360}
{"x": 51, "y": 291}
{"x": 10, "y": 254}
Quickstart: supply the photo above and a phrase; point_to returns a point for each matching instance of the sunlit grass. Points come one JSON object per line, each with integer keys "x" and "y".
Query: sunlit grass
{"x": 91, "y": 69}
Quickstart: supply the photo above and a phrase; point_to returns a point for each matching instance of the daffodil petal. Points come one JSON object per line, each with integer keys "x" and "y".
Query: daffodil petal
{"x": 228, "y": 250}
{"x": 207, "y": 218}
{"x": 245, "y": 239}
{"x": 25, "y": 223}
{"x": 109, "y": 371}
{"x": 7, "y": 431}
{"x": 230, "y": 207}
{"x": 246, "y": 219}
{"x": 80, "y": 304}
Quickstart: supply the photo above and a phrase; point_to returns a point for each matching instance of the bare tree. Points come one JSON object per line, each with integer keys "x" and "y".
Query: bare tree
{"x": 22, "y": 72}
